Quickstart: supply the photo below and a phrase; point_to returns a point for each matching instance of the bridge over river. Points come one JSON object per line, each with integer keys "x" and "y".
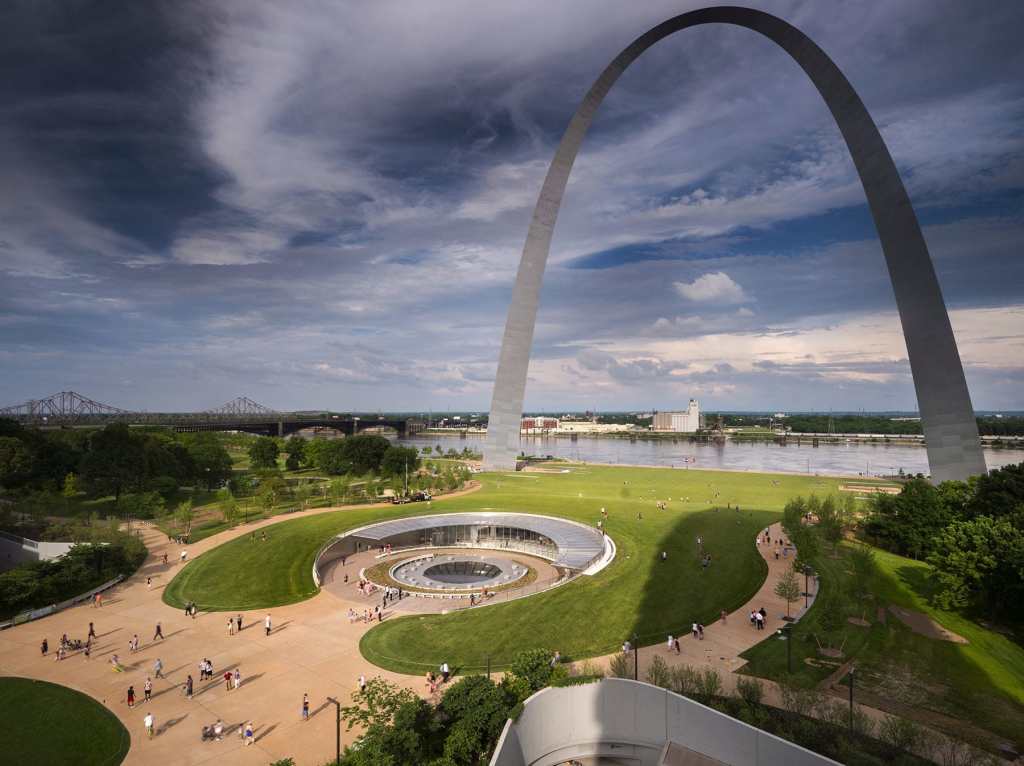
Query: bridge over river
{"x": 69, "y": 409}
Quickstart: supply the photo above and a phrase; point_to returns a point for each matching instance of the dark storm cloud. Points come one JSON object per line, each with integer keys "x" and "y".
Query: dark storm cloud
{"x": 322, "y": 203}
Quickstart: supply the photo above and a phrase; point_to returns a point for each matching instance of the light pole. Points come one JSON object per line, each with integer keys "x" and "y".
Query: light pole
{"x": 636, "y": 658}
{"x": 807, "y": 592}
{"x": 852, "y": 669}
{"x": 337, "y": 707}
{"x": 785, "y": 634}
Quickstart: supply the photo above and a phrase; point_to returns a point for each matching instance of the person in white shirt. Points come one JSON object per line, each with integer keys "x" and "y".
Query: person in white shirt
{"x": 148, "y": 721}
{"x": 266, "y": 624}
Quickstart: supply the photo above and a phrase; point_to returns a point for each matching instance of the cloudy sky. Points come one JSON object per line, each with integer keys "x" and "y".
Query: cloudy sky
{"x": 322, "y": 204}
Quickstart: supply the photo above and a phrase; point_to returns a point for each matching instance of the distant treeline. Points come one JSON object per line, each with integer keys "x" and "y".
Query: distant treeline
{"x": 988, "y": 425}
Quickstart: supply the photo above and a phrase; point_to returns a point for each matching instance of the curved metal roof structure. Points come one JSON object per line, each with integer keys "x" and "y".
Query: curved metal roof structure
{"x": 578, "y": 545}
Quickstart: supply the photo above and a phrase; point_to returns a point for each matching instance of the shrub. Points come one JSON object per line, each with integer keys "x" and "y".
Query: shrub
{"x": 800, "y": 701}
{"x": 750, "y": 690}
{"x": 620, "y": 666}
{"x": 709, "y": 683}
{"x": 901, "y": 733}
{"x": 683, "y": 680}
{"x": 658, "y": 673}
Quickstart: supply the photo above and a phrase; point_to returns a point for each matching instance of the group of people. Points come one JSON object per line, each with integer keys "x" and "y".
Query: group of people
{"x": 68, "y": 645}
{"x": 234, "y": 624}
{"x": 215, "y": 732}
{"x": 757, "y": 619}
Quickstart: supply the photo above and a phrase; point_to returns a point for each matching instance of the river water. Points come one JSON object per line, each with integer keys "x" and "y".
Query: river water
{"x": 851, "y": 458}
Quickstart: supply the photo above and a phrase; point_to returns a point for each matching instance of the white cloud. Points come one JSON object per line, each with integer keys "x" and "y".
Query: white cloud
{"x": 715, "y": 287}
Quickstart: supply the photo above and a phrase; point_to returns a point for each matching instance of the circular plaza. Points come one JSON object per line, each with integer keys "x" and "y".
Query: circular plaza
{"x": 465, "y": 555}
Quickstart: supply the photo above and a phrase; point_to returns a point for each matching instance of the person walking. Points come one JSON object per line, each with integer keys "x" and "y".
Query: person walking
{"x": 149, "y": 583}
{"x": 671, "y": 641}
{"x": 147, "y": 690}
{"x": 362, "y": 684}
{"x": 158, "y": 633}
{"x": 188, "y": 686}
{"x": 237, "y": 679}
{"x": 238, "y": 622}
{"x": 158, "y": 668}
{"x": 305, "y": 707}
{"x": 227, "y": 680}
{"x": 218, "y": 730}
{"x": 267, "y": 624}
{"x": 445, "y": 672}
{"x": 247, "y": 736}
{"x": 677, "y": 645}
{"x": 131, "y": 696}
{"x": 149, "y": 721}
{"x": 44, "y": 647}
{"x": 231, "y": 626}
{"x": 92, "y": 631}
{"x": 700, "y": 631}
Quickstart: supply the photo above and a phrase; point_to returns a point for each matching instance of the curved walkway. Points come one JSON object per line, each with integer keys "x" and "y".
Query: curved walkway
{"x": 313, "y": 649}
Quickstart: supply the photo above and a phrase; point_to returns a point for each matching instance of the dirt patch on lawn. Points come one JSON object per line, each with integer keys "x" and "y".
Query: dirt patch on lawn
{"x": 924, "y": 625}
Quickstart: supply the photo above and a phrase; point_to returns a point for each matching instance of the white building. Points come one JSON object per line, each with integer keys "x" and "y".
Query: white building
{"x": 687, "y": 422}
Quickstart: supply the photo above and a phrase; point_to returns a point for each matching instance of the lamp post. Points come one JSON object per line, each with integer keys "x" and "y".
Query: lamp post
{"x": 337, "y": 707}
{"x": 636, "y": 658}
{"x": 785, "y": 634}
{"x": 807, "y": 592}
{"x": 852, "y": 669}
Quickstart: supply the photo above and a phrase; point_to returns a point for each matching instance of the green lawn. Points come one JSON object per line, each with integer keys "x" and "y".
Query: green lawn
{"x": 43, "y": 723}
{"x": 981, "y": 682}
{"x": 637, "y": 593}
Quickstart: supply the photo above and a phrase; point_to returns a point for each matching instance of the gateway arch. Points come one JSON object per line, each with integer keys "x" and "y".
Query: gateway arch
{"x": 954, "y": 449}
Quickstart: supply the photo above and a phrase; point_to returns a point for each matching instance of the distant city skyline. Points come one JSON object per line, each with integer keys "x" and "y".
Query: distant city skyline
{"x": 323, "y": 207}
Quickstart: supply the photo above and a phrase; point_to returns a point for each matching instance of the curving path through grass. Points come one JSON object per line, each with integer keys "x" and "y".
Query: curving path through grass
{"x": 313, "y": 648}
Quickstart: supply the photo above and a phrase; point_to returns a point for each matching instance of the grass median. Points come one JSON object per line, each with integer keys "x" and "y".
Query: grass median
{"x": 43, "y": 723}
{"x": 592, "y": 615}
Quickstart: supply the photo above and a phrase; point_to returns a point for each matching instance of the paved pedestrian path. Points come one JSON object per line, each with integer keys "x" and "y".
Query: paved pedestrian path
{"x": 312, "y": 649}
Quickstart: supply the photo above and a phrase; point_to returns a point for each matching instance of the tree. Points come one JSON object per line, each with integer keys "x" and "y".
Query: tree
{"x": 16, "y": 461}
{"x": 979, "y": 563}
{"x": 296, "y": 449}
{"x": 70, "y": 487}
{"x": 830, "y": 619}
{"x": 906, "y": 523}
{"x": 364, "y": 452}
{"x": 788, "y": 588}
{"x": 1000, "y": 493}
{"x": 862, "y": 561}
{"x": 398, "y": 460}
{"x": 114, "y": 460}
{"x": 793, "y": 515}
{"x": 183, "y": 516}
{"x": 830, "y": 523}
{"x": 263, "y": 453}
{"x": 211, "y": 461}
{"x": 478, "y": 709}
{"x": 376, "y": 704}
{"x": 228, "y": 506}
{"x": 331, "y": 457}
{"x": 142, "y": 505}
{"x": 535, "y": 667}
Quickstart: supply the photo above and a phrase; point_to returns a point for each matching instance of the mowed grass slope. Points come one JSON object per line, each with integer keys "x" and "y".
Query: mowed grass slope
{"x": 981, "y": 682}
{"x": 43, "y": 723}
{"x": 590, "y": 616}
